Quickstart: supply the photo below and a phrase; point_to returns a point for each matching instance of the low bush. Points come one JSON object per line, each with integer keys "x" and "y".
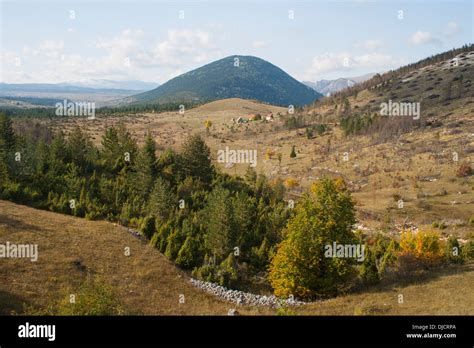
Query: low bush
{"x": 148, "y": 226}
{"x": 464, "y": 170}
{"x": 420, "y": 249}
{"x": 369, "y": 271}
{"x": 468, "y": 250}
{"x": 453, "y": 251}
{"x": 93, "y": 297}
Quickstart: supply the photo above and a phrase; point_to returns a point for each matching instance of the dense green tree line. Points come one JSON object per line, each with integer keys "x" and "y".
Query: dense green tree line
{"x": 223, "y": 228}
{"x": 357, "y": 124}
{"x": 50, "y": 110}
{"x": 230, "y": 230}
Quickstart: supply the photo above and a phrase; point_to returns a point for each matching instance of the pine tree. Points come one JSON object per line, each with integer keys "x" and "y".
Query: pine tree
{"x": 228, "y": 271}
{"x": 162, "y": 201}
{"x": 149, "y": 150}
{"x": 3, "y": 164}
{"x": 293, "y": 152}
{"x": 346, "y": 108}
{"x": 118, "y": 148}
{"x": 243, "y": 208}
{"x": 220, "y": 236}
{"x": 170, "y": 168}
{"x": 148, "y": 226}
{"x": 58, "y": 149}
{"x": 7, "y": 143}
{"x": 127, "y": 145}
{"x": 83, "y": 153}
{"x": 111, "y": 151}
{"x": 196, "y": 160}
{"x": 6, "y": 132}
{"x": 189, "y": 254}
{"x": 175, "y": 242}
{"x": 146, "y": 167}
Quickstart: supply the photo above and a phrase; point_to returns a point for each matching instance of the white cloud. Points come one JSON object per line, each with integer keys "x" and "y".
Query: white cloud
{"x": 8, "y": 66}
{"x": 51, "y": 45}
{"x": 451, "y": 29}
{"x": 344, "y": 62}
{"x": 423, "y": 37}
{"x": 180, "y": 50}
{"x": 182, "y": 46}
{"x": 258, "y": 44}
{"x": 370, "y": 44}
{"x": 50, "y": 48}
{"x": 373, "y": 59}
{"x": 126, "y": 42}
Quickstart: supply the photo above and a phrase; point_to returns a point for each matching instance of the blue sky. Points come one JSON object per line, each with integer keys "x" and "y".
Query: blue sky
{"x": 44, "y": 42}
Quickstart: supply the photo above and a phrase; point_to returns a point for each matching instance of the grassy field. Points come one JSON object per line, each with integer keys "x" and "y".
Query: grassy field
{"x": 69, "y": 248}
{"x": 147, "y": 283}
{"x": 418, "y": 167}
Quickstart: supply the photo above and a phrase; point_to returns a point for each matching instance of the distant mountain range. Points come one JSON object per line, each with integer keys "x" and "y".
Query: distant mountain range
{"x": 245, "y": 77}
{"x": 104, "y": 92}
{"x": 89, "y": 86}
{"x": 326, "y": 87}
{"x": 129, "y": 85}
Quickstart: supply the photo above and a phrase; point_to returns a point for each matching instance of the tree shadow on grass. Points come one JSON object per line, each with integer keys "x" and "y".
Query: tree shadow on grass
{"x": 17, "y": 225}
{"x": 420, "y": 278}
{"x": 11, "y": 304}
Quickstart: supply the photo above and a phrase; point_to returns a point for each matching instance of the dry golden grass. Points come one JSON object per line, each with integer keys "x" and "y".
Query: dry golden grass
{"x": 377, "y": 172}
{"x": 147, "y": 283}
{"x": 417, "y": 166}
{"x": 440, "y": 292}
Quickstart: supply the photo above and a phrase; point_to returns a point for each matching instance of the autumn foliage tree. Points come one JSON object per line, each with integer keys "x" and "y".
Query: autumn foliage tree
{"x": 424, "y": 247}
{"x": 291, "y": 183}
{"x": 299, "y": 267}
{"x": 208, "y": 125}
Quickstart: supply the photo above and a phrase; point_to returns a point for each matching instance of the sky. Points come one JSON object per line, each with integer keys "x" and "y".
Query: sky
{"x": 51, "y": 41}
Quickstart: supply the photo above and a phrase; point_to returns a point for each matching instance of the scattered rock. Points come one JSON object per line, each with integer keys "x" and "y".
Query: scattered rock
{"x": 244, "y": 298}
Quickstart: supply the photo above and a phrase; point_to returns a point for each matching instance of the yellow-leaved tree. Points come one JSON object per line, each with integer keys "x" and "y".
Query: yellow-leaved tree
{"x": 300, "y": 267}
{"x": 424, "y": 245}
{"x": 208, "y": 125}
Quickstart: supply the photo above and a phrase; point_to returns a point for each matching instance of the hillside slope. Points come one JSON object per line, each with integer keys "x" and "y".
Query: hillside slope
{"x": 440, "y": 87}
{"x": 237, "y": 106}
{"x": 147, "y": 283}
{"x": 244, "y": 77}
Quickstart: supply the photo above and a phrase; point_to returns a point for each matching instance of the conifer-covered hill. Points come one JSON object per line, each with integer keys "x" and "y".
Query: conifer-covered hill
{"x": 243, "y": 77}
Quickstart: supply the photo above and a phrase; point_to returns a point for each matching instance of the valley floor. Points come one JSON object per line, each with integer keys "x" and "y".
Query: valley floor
{"x": 416, "y": 167}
